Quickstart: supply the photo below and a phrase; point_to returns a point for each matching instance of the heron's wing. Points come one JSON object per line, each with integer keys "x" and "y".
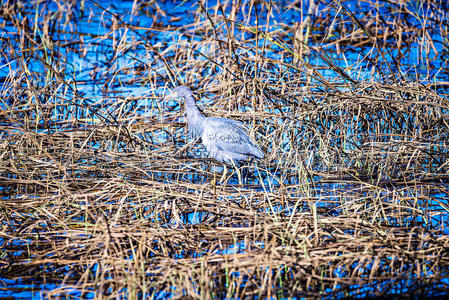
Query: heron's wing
{"x": 230, "y": 136}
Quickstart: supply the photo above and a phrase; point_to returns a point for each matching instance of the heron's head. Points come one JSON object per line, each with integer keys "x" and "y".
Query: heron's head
{"x": 181, "y": 91}
{"x": 193, "y": 113}
{"x": 178, "y": 94}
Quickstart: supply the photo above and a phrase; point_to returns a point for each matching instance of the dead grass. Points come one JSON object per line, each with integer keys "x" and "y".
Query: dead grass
{"x": 102, "y": 192}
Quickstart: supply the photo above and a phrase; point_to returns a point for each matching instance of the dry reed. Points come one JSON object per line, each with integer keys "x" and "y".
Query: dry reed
{"x": 102, "y": 193}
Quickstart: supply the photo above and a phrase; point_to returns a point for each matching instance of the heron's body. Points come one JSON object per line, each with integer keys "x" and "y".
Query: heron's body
{"x": 225, "y": 140}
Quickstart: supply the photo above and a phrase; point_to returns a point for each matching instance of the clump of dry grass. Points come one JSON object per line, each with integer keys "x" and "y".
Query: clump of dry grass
{"x": 102, "y": 193}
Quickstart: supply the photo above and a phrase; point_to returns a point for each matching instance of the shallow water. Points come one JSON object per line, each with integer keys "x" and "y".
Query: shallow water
{"x": 109, "y": 67}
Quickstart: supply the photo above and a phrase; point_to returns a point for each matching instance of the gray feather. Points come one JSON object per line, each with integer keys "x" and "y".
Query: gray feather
{"x": 225, "y": 140}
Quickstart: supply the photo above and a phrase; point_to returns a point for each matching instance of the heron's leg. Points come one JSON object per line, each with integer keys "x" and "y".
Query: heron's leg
{"x": 247, "y": 170}
{"x": 245, "y": 173}
{"x": 239, "y": 174}
{"x": 214, "y": 183}
{"x": 225, "y": 170}
{"x": 214, "y": 180}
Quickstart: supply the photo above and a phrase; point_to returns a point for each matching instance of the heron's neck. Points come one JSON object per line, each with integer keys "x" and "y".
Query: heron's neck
{"x": 194, "y": 117}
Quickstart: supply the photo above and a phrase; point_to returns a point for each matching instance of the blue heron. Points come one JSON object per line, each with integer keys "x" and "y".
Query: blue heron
{"x": 226, "y": 140}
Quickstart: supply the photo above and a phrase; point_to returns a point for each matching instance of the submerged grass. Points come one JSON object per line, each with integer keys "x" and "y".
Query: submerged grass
{"x": 102, "y": 193}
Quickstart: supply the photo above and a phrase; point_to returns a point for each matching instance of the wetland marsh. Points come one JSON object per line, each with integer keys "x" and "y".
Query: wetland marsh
{"x": 103, "y": 194}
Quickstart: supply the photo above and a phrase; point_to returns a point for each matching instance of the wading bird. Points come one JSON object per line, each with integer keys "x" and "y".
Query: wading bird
{"x": 225, "y": 140}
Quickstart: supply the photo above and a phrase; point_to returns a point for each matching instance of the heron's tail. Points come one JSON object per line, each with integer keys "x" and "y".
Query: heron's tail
{"x": 257, "y": 152}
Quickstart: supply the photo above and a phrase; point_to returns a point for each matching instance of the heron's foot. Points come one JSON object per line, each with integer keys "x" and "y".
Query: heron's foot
{"x": 213, "y": 182}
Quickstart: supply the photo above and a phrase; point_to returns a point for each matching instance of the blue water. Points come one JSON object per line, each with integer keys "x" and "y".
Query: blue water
{"x": 88, "y": 68}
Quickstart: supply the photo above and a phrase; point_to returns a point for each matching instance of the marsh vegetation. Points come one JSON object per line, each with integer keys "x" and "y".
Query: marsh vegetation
{"x": 103, "y": 194}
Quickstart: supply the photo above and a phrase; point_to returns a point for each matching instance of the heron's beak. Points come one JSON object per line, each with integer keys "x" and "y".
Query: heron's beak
{"x": 172, "y": 97}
